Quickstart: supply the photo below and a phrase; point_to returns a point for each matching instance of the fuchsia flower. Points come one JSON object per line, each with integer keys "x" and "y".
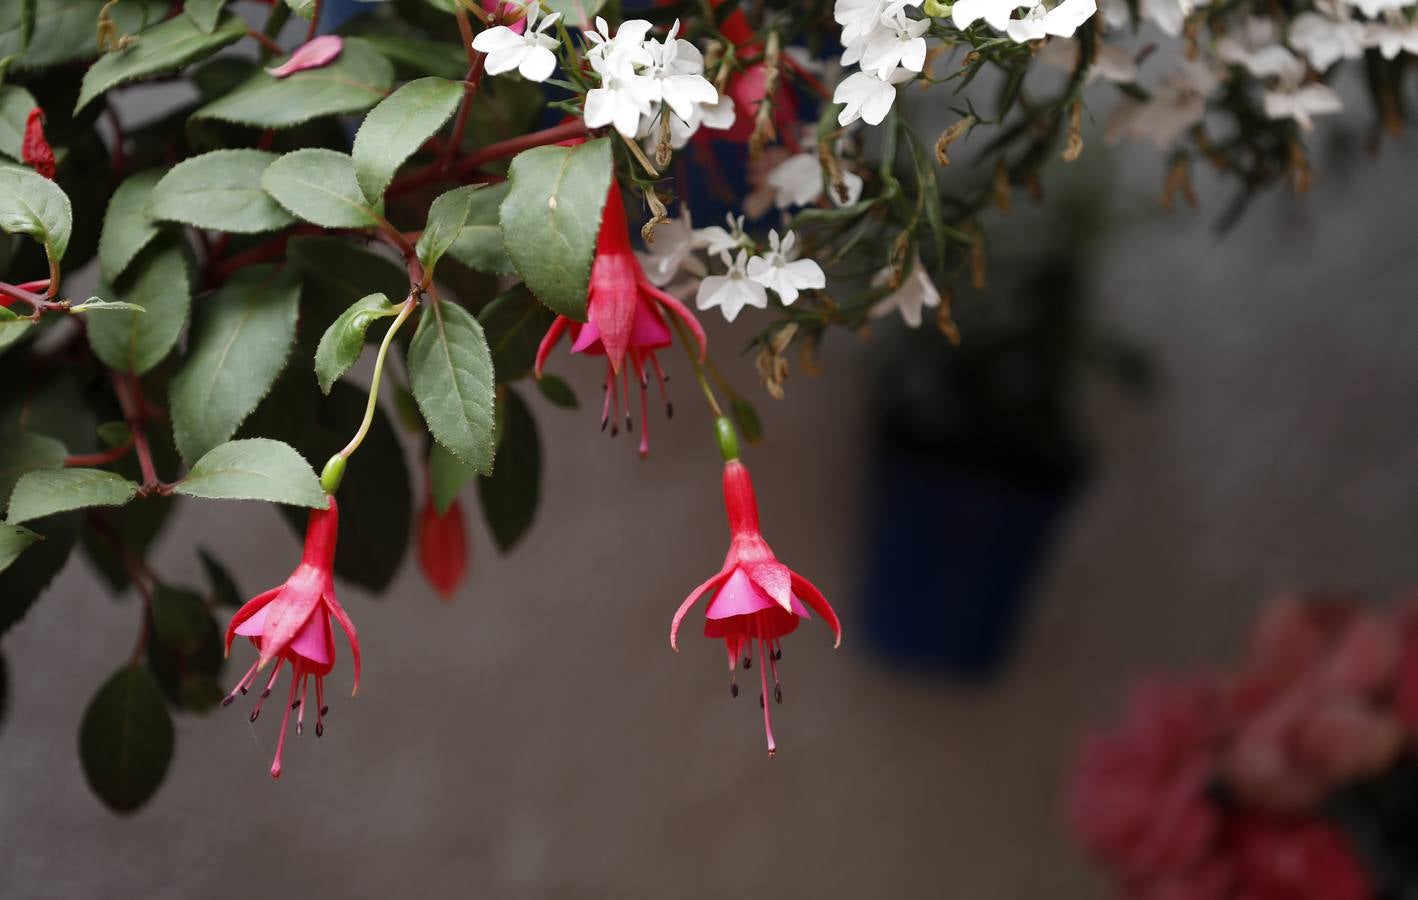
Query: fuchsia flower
{"x": 1305, "y": 859}
{"x": 35, "y": 151}
{"x": 291, "y": 624}
{"x": 625, "y": 319}
{"x": 443, "y": 547}
{"x": 313, "y": 54}
{"x": 754, "y": 597}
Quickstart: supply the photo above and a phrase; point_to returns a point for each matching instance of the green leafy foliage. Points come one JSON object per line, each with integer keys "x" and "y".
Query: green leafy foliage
{"x": 126, "y": 739}
{"x": 254, "y": 469}
{"x": 160, "y": 282}
{"x": 396, "y": 128}
{"x": 44, "y": 492}
{"x": 551, "y": 218}
{"x": 557, "y": 391}
{"x": 450, "y": 372}
{"x": 479, "y": 244}
{"x": 514, "y": 324}
{"x": 13, "y": 541}
{"x": 185, "y": 652}
{"x": 63, "y": 30}
{"x": 241, "y": 341}
{"x": 25, "y": 451}
{"x": 413, "y": 57}
{"x": 15, "y": 106}
{"x": 32, "y": 204}
{"x": 335, "y": 271}
{"x": 509, "y": 495}
{"x": 358, "y": 79}
{"x": 163, "y": 47}
{"x": 448, "y": 474}
{"x": 220, "y": 190}
{"x": 447, "y": 217}
{"x": 224, "y": 591}
{"x": 13, "y": 327}
{"x": 99, "y": 304}
{"x": 27, "y": 577}
{"x": 179, "y": 619}
{"x": 205, "y": 13}
{"x": 342, "y": 343}
{"x": 319, "y": 186}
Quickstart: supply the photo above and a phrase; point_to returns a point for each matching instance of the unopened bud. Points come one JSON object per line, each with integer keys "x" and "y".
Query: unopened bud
{"x": 949, "y": 136}
{"x": 728, "y": 439}
{"x": 935, "y": 9}
{"x": 333, "y": 474}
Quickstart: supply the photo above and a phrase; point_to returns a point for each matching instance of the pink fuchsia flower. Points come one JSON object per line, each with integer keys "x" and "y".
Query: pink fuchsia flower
{"x": 625, "y": 320}
{"x": 443, "y": 547}
{"x": 753, "y": 599}
{"x": 291, "y": 624}
{"x": 1311, "y": 707}
{"x": 1306, "y": 859}
{"x": 313, "y": 54}
{"x": 1139, "y": 802}
{"x": 35, "y": 151}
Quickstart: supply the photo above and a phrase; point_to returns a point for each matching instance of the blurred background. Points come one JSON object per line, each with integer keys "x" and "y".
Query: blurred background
{"x": 1000, "y": 581}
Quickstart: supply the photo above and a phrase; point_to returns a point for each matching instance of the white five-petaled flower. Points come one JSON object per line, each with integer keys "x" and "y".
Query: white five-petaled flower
{"x": 1177, "y": 103}
{"x": 672, "y": 250}
{"x": 996, "y": 13}
{"x": 1324, "y": 41}
{"x": 1253, "y": 47}
{"x": 622, "y": 98}
{"x": 778, "y": 271}
{"x": 865, "y": 96}
{"x": 677, "y": 71}
{"x": 1391, "y": 35}
{"x": 718, "y": 241}
{"x": 733, "y": 290}
{"x": 899, "y": 42}
{"x": 530, "y": 52}
{"x": 1061, "y": 21}
{"x": 1374, "y": 8}
{"x": 798, "y": 181}
{"x": 861, "y": 18}
{"x": 1301, "y": 102}
{"x": 628, "y": 42}
{"x": 916, "y": 293}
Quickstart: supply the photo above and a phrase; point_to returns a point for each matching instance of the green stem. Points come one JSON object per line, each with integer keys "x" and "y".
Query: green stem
{"x": 404, "y": 312}
{"x": 699, "y": 376}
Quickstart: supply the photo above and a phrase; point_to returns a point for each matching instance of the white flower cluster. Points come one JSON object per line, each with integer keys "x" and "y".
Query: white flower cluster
{"x": 748, "y": 274}
{"x": 641, "y": 77}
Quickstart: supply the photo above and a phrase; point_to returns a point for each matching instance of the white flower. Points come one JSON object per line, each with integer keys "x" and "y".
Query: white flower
{"x": 1374, "y": 8}
{"x": 1301, "y": 103}
{"x": 1253, "y": 47}
{"x": 672, "y": 250}
{"x": 530, "y": 52}
{"x": 717, "y": 241}
{"x": 623, "y": 96}
{"x": 860, "y": 18}
{"x": 1112, "y": 63}
{"x": 733, "y": 290}
{"x": 898, "y": 43}
{"x": 1169, "y": 15}
{"x": 1325, "y": 41}
{"x": 1177, "y": 103}
{"x": 1061, "y": 21}
{"x": 628, "y": 42}
{"x": 996, "y": 13}
{"x": 677, "y": 70}
{"x": 916, "y": 293}
{"x": 797, "y": 181}
{"x": 868, "y": 97}
{"x": 780, "y": 273}
{"x": 1392, "y": 36}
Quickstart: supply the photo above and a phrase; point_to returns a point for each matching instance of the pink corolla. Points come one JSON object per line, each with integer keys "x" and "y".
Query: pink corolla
{"x": 1310, "y": 705}
{"x": 313, "y": 54}
{"x": 291, "y": 624}
{"x": 627, "y": 319}
{"x": 1305, "y": 859}
{"x": 753, "y": 599}
{"x": 1139, "y": 801}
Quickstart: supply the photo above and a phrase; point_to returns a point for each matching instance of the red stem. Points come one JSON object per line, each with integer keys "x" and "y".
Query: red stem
{"x": 101, "y": 458}
{"x": 462, "y": 168}
{"x": 470, "y": 87}
{"x": 265, "y": 41}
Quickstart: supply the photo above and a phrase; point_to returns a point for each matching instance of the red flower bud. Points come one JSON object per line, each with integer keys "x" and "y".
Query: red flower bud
{"x": 35, "y": 151}
{"x": 443, "y": 547}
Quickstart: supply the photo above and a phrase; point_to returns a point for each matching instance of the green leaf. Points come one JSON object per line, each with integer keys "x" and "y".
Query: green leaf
{"x": 450, "y": 372}
{"x": 15, "y": 106}
{"x": 64, "y": 30}
{"x": 557, "y": 391}
{"x": 97, "y": 303}
{"x": 125, "y": 740}
{"x": 319, "y": 186}
{"x": 747, "y": 419}
{"x": 414, "y": 56}
{"x": 358, "y": 79}
{"x": 138, "y": 523}
{"x": 446, "y": 218}
{"x": 204, "y": 12}
{"x": 114, "y": 433}
{"x": 13, "y": 541}
{"x": 32, "y": 204}
{"x": 224, "y": 591}
{"x": 164, "y": 47}
{"x": 24, "y": 451}
{"x": 240, "y": 343}
{"x": 342, "y": 343}
{"x": 27, "y": 577}
{"x": 189, "y": 680}
{"x": 159, "y": 281}
{"x": 336, "y": 270}
{"x": 479, "y": 245}
{"x": 514, "y": 323}
{"x": 396, "y": 128}
{"x": 551, "y": 218}
{"x": 44, "y": 492}
{"x": 126, "y": 226}
{"x": 575, "y": 11}
{"x": 448, "y": 475}
{"x": 303, "y": 8}
{"x": 509, "y": 495}
{"x": 13, "y": 327}
{"x": 254, "y": 469}
{"x": 179, "y": 619}
{"x": 220, "y": 190}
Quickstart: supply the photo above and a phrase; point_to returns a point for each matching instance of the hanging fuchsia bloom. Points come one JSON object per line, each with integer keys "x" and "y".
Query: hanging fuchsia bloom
{"x": 443, "y": 547}
{"x": 625, "y": 319}
{"x": 291, "y": 624}
{"x": 35, "y": 151}
{"x": 313, "y": 54}
{"x": 755, "y": 598}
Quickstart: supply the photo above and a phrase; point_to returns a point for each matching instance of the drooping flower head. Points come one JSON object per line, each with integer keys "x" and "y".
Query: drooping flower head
{"x": 754, "y": 600}
{"x": 291, "y": 624}
{"x": 443, "y": 546}
{"x": 625, "y": 321}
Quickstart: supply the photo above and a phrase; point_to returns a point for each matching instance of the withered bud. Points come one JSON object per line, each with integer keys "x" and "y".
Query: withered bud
{"x": 807, "y": 356}
{"x": 763, "y": 130}
{"x": 783, "y": 337}
{"x": 772, "y": 371}
{"x": 1300, "y": 172}
{"x": 1035, "y": 187}
{"x": 658, "y": 214}
{"x": 1179, "y": 181}
{"x": 977, "y": 260}
{"x": 1002, "y": 191}
{"x": 951, "y": 135}
{"x": 1073, "y": 145}
{"x": 944, "y": 319}
{"x": 833, "y": 168}
{"x": 664, "y": 149}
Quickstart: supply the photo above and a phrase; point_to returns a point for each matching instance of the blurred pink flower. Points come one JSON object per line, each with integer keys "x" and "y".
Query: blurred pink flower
{"x": 1307, "y": 705}
{"x": 1139, "y": 799}
{"x": 313, "y": 54}
{"x": 1304, "y": 860}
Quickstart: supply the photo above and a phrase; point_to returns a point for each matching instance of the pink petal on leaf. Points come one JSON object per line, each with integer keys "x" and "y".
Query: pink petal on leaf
{"x": 311, "y": 55}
